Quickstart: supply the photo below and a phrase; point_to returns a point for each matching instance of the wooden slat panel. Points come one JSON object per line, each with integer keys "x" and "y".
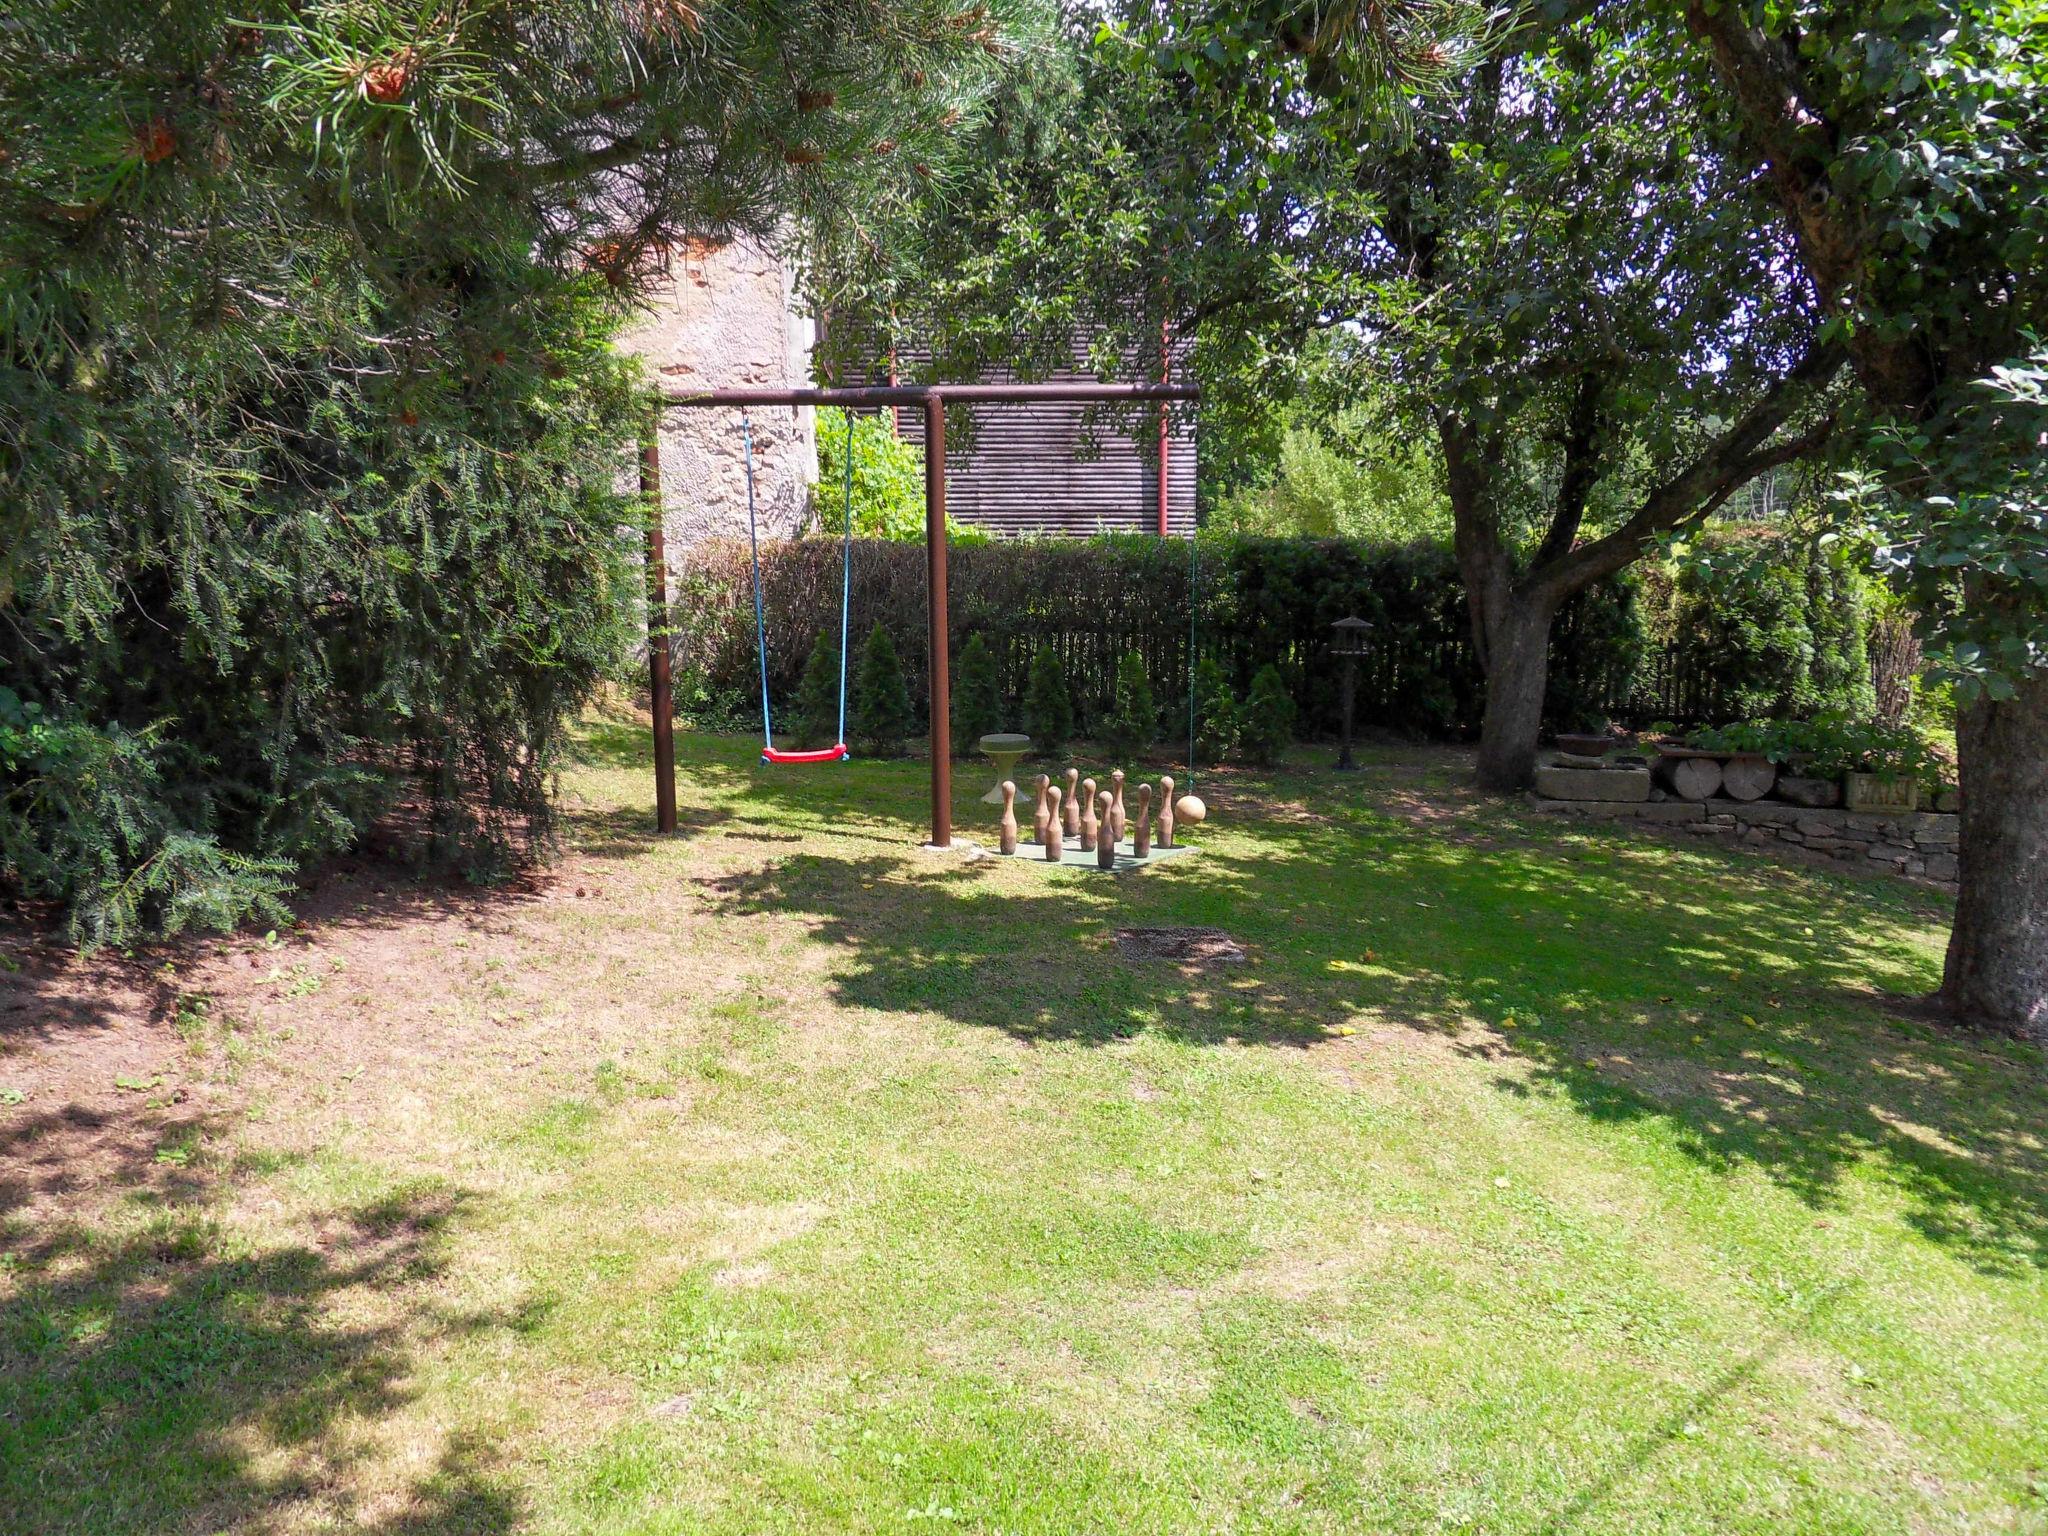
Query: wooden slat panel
{"x": 1060, "y": 469}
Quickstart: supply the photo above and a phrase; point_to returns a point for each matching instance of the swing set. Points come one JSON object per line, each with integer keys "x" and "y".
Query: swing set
{"x": 933, "y": 399}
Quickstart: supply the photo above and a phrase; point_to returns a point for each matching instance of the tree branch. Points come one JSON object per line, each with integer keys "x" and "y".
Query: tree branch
{"x": 606, "y": 157}
{"x": 1581, "y": 471}
{"x": 1731, "y": 461}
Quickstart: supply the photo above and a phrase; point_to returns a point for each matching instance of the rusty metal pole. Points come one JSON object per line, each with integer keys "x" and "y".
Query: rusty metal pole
{"x": 658, "y": 633}
{"x": 939, "y": 669}
{"x": 1165, "y": 366}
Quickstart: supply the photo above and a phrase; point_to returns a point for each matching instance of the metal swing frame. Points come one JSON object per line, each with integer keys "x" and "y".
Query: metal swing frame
{"x": 933, "y": 399}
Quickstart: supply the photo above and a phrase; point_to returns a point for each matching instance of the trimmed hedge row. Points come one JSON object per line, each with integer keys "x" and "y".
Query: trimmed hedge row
{"x": 1261, "y": 602}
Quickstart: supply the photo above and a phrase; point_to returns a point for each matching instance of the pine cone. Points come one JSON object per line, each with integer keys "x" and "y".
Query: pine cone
{"x": 385, "y": 81}
{"x": 156, "y": 142}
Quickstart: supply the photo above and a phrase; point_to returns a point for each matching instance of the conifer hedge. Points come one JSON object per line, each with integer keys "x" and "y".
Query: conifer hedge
{"x": 1263, "y": 602}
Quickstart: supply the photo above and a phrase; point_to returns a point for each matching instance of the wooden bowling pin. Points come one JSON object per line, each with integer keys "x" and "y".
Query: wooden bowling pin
{"x": 1008, "y": 827}
{"x": 1165, "y": 811}
{"x": 1105, "y": 845}
{"x": 1053, "y": 847}
{"x": 1141, "y": 829}
{"x": 1040, "y": 813}
{"x": 1119, "y": 818}
{"x": 1090, "y": 823}
{"x": 1073, "y": 822}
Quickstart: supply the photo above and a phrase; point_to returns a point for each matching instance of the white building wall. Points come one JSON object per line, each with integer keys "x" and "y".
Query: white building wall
{"x": 727, "y": 317}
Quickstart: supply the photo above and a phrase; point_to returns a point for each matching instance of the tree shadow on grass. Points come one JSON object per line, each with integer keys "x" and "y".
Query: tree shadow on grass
{"x": 1740, "y": 1007}
{"x": 162, "y": 1381}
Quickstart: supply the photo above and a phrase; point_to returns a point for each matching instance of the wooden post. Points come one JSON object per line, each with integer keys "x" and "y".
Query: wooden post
{"x": 657, "y": 633}
{"x": 939, "y": 672}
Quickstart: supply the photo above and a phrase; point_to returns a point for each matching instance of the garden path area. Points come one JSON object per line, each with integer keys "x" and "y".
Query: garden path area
{"x": 785, "y": 1177}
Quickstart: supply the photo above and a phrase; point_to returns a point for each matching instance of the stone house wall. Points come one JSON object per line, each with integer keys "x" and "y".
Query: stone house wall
{"x": 727, "y": 316}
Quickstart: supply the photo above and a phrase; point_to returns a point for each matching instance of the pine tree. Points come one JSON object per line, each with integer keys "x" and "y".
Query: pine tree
{"x": 815, "y": 716}
{"x": 1268, "y": 717}
{"x": 881, "y": 702}
{"x": 1216, "y": 712}
{"x": 1048, "y": 705}
{"x": 977, "y": 695}
{"x": 1133, "y": 723}
{"x": 312, "y": 419}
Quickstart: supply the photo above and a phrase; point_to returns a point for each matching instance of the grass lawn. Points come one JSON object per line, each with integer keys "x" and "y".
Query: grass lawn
{"x": 785, "y": 1177}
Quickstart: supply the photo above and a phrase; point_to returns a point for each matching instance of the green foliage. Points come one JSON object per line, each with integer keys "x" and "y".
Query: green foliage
{"x": 1268, "y": 720}
{"x": 1261, "y": 600}
{"x": 1833, "y": 744}
{"x": 977, "y": 695}
{"x": 1598, "y": 645}
{"x": 1772, "y": 624}
{"x": 1216, "y": 712}
{"x": 815, "y": 717}
{"x": 86, "y": 820}
{"x": 888, "y": 483}
{"x": 1048, "y": 703}
{"x": 1343, "y": 479}
{"x": 1133, "y": 723}
{"x": 1919, "y": 174}
{"x": 312, "y": 420}
{"x": 888, "y": 478}
{"x": 881, "y": 702}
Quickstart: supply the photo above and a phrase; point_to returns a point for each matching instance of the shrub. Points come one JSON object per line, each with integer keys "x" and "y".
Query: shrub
{"x": 816, "y": 716}
{"x": 1133, "y": 723}
{"x": 87, "y": 822}
{"x": 1261, "y": 601}
{"x": 888, "y": 479}
{"x": 1216, "y": 712}
{"x": 1048, "y": 706}
{"x": 977, "y": 696}
{"x": 888, "y": 483}
{"x": 1831, "y": 745}
{"x": 1340, "y": 477}
{"x": 1268, "y": 718}
{"x": 881, "y": 702}
{"x": 1766, "y": 626}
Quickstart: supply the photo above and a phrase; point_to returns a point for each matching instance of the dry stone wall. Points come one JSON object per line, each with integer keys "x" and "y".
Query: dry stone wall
{"x": 1921, "y": 844}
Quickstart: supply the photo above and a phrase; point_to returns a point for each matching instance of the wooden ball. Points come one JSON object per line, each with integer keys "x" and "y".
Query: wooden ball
{"x": 1190, "y": 809}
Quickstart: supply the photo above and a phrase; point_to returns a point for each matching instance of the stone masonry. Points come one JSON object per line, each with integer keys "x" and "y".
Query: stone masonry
{"x": 727, "y": 316}
{"x": 1921, "y": 844}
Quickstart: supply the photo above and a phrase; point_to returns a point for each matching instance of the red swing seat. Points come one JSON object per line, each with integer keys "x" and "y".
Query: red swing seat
{"x": 835, "y": 754}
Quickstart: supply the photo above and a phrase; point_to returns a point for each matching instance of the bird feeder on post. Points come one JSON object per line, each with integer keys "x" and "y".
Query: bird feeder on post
{"x": 1351, "y": 639}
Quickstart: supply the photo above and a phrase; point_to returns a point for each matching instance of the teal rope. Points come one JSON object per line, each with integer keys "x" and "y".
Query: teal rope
{"x": 760, "y": 616}
{"x": 846, "y": 578}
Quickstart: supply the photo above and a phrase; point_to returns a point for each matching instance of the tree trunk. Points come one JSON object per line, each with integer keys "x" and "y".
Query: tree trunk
{"x": 1997, "y": 970}
{"x": 1517, "y": 675}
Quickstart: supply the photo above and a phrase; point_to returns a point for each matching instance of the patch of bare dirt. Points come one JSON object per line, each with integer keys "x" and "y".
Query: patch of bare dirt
{"x": 1194, "y": 948}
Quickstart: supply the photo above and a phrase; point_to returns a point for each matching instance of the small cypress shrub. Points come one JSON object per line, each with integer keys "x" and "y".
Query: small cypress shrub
{"x": 1268, "y": 724}
{"x": 1048, "y": 704}
{"x": 1216, "y": 712}
{"x": 1133, "y": 723}
{"x": 816, "y": 716}
{"x": 881, "y": 702}
{"x": 977, "y": 696}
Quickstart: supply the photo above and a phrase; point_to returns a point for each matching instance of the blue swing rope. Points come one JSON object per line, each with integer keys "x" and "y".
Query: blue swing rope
{"x": 760, "y": 617}
{"x": 768, "y": 751}
{"x": 846, "y": 576}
